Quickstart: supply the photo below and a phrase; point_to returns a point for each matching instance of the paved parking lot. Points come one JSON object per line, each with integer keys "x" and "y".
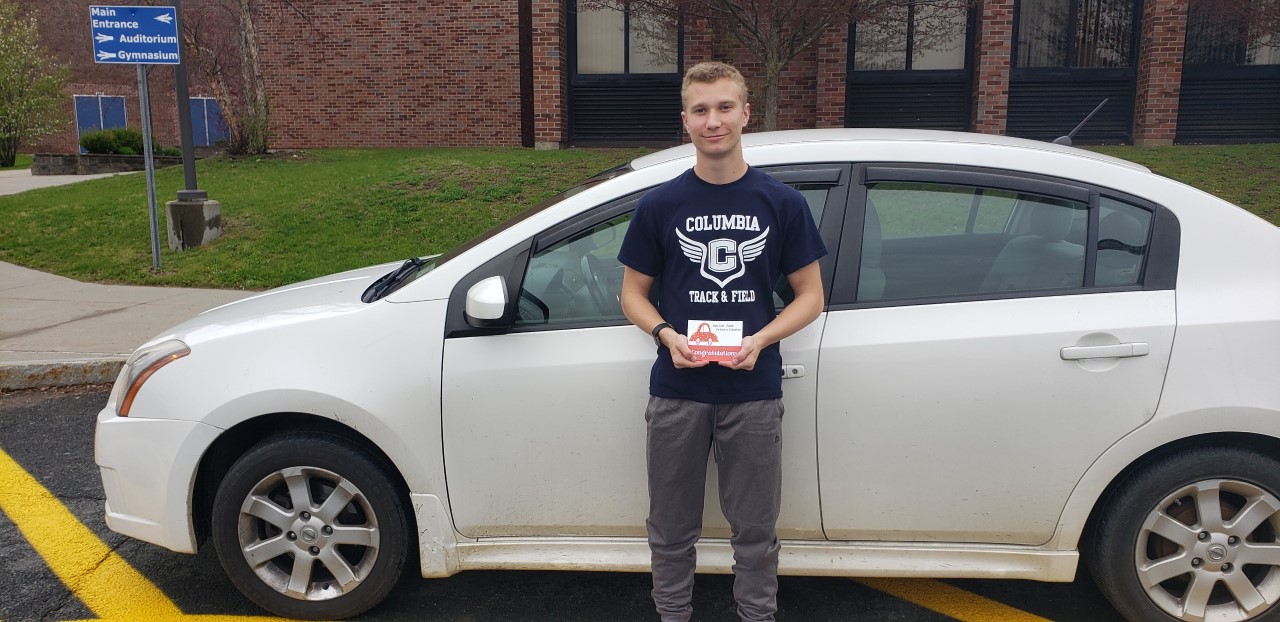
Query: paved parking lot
{"x": 61, "y": 563}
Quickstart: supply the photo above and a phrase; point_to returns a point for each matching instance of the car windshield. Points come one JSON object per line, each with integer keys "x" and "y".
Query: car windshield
{"x": 596, "y": 179}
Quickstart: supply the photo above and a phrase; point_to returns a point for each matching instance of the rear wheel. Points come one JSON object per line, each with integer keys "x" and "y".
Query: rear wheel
{"x": 308, "y": 526}
{"x": 1193, "y": 537}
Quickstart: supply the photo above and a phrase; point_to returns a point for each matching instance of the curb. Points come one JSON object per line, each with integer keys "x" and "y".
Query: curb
{"x": 18, "y": 376}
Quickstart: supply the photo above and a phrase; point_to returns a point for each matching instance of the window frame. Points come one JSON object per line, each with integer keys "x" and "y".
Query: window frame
{"x": 1163, "y": 234}
{"x": 970, "y": 38}
{"x": 572, "y": 36}
{"x": 1073, "y": 51}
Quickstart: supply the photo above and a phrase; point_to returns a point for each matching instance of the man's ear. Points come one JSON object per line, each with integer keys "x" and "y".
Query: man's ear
{"x": 746, "y": 113}
{"x": 684, "y": 121}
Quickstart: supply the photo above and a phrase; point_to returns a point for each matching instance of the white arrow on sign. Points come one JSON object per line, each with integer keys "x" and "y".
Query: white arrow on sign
{"x": 104, "y": 38}
{"x": 166, "y": 18}
{"x": 106, "y": 55}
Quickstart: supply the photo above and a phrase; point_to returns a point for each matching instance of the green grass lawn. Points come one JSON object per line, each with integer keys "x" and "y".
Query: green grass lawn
{"x": 289, "y": 217}
{"x": 295, "y": 216}
{"x": 21, "y": 162}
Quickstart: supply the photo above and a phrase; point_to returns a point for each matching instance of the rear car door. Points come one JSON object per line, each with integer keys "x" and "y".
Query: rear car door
{"x": 543, "y": 423}
{"x": 989, "y": 335}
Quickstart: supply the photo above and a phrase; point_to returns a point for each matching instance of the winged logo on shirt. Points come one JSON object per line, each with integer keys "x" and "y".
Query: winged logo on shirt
{"x": 722, "y": 256}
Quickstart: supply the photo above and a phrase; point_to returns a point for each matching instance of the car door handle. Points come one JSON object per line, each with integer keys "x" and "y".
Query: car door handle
{"x": 792, "y": 371}
{"x": 1115, "y": 351}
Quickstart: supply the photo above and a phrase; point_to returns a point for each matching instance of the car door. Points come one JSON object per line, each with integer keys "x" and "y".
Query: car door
{"x": 543, "y": 423}
{"x": 989, "y": 335}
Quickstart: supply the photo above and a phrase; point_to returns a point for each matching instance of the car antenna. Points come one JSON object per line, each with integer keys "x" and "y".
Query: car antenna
{"x": 1066, "y": 140}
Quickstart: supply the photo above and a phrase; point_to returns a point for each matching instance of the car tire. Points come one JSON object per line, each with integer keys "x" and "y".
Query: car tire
{"x": 1192, "y": 536}
{"x": 288, "y": 545}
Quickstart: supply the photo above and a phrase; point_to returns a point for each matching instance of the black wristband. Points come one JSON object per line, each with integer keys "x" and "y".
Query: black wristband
{"x": 658, "y": 330}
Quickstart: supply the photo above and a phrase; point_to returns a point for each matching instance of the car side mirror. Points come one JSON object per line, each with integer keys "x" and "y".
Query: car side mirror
{"x": 487, "y": 302}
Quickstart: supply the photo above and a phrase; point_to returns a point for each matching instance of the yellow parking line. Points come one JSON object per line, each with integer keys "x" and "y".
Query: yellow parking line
{"x": 950, "y": 601}
{"x": 94, "y": 573}
{"x": 99, "y": 577}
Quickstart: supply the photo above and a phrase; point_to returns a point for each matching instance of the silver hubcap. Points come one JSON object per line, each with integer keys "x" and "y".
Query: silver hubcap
{"x": 308, "y": 533}
{"x": 1210, "y": 552}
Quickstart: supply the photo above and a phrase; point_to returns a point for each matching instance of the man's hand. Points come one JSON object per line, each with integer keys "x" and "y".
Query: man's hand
{"x": 681, "y": 355}
{"x": 746, "y": 356}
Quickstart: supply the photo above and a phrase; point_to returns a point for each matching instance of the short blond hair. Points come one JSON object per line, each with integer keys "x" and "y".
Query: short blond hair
{"x": 709, "y": 72}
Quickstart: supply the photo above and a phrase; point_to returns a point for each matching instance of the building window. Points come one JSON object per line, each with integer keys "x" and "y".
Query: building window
{"x": 1229, "y": 33}
{"x": 1075, "y": 33}
{"x": 622, "y": 41}
{"x": 208, "y": 127}
{"x": 98, "y": 112}
{"x": 917, "y": 36}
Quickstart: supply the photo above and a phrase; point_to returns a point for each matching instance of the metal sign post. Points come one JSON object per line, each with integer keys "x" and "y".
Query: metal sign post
{"x": 139, "y": 35}
{"x": 144, "y": 98}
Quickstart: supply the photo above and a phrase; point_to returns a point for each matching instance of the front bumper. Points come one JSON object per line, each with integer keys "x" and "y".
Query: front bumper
{"x": 148, "y": 471}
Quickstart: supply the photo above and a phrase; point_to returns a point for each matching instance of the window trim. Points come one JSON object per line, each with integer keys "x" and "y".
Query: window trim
{"x": 1163, "y": 234}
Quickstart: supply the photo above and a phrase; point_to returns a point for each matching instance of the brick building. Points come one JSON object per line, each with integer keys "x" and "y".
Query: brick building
{"x": 401, "y": 73}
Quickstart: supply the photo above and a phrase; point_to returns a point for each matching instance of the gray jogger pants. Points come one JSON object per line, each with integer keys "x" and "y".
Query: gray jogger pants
{"x": 747, "y": 440}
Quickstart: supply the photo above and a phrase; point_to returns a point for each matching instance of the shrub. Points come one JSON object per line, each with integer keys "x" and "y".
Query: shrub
{"x": 122, "y": 141}
{"x": 98, "y": 141}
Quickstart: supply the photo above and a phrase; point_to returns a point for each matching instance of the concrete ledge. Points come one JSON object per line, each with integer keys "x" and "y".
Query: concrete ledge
{"x": 93, "y": 163}
{"x": 16, "y": 376}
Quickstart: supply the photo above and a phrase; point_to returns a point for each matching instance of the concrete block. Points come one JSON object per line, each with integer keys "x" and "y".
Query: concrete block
{"x": 192, "y": 223}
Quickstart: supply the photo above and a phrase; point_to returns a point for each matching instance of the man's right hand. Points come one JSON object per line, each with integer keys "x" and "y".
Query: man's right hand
{"x": 681, "y": 355}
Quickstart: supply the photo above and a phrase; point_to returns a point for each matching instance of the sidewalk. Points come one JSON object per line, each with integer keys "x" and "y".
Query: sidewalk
{"x": 13, "y": 182}
{"x": 55, "y": 331}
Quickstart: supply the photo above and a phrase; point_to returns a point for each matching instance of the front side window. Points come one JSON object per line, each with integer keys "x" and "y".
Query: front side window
{"x": 1075, "y": 33}
{"x": 1230, "y": 32}
{"x": 624, "y": 40}
{"x": 576, "y": 280}
{"x": 914, "y": 36}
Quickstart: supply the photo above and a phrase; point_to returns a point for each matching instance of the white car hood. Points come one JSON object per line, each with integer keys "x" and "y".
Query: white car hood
{"x": 307, "y": 300}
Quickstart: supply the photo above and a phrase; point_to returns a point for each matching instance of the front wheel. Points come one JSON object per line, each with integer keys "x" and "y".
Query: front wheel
{"x": 1193, "y": 537}
{"x": 308, "y": 526}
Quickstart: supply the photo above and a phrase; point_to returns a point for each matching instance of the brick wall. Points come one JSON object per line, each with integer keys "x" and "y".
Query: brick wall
{"x": 392, "y": 73}
{"x": 832, "y": 74}
{"x": 550, "y": 74}
{"x": 1159, "y": 72}
{"x": 991, "y": 66}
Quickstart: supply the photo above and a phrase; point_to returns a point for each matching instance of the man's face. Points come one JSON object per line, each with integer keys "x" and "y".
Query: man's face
{"x": 714, "y": 115}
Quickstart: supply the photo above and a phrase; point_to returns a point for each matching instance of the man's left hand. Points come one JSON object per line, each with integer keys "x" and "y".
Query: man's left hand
{"x": 746, "y": 356}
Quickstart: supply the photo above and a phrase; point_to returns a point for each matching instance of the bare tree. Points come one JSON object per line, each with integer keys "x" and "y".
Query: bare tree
{"x": 774, "y": 31}
{"x": 221, "y": 39}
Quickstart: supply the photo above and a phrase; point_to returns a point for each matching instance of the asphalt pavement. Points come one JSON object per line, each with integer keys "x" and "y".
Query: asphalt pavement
{"x": 56, "y": 331}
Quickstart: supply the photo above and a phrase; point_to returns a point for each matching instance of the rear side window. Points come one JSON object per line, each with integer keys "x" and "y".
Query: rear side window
{"x": 924, "y": 240}
{"x": 1122, "y": 242}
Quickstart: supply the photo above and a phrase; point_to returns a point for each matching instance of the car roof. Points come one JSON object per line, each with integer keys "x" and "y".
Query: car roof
{"x": 853, "y": 135}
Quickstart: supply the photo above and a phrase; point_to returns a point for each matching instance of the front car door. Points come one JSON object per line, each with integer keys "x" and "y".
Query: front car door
{"x": 543, "y": 423}
{"x": 989, "y": 335}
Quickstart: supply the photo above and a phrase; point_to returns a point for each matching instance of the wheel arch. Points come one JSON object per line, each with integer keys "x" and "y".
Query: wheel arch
{"x": 235, "y": 441}
{"x": 1255, "y": 441}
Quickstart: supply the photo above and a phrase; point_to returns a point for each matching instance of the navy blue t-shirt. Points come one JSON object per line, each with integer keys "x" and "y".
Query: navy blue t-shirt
{"x": 717, "y": 251}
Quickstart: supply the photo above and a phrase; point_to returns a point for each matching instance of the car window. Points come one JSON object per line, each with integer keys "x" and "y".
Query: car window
{"x": 930, "y": 240}
{"x": 1122, "y": 242}
{"x": 577, "y": 279}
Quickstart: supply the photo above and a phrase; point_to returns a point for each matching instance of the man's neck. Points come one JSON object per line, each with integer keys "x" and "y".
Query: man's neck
{"x": 720, "y": 171}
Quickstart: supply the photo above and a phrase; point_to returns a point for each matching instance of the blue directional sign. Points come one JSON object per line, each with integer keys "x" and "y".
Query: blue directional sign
{"x": 135, "y": 35}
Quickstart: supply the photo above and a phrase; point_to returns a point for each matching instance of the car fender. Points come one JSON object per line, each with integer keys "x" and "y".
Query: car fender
{"x": 1161, "y": 431}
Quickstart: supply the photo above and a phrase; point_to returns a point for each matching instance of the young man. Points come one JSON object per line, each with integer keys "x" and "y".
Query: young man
{"x": 718, "y": 236}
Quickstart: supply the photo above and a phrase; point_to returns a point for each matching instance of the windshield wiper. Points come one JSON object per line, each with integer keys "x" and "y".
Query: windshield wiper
{"x": 389, "y": 281}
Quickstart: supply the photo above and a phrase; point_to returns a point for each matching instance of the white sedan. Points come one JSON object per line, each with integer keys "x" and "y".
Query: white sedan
{"x": 1030, "y": 356}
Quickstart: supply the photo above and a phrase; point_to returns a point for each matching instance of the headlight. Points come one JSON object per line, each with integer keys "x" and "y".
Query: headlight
{"x": 140, "y": 366}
